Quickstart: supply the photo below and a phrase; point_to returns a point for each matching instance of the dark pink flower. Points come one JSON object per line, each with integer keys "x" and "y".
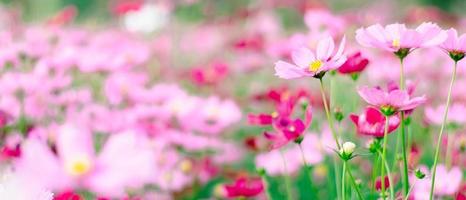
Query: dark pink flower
{"x": 244, "y": 187}
{"x": 288, "y": 129}
{"x": 354, "y": 64}
{"x": 372, "y": 122}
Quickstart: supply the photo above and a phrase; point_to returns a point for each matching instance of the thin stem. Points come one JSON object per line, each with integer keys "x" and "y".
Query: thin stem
{"x": 287, "y": 178}
{"x": 389, "y": 174}
{"x": 403, "y": 136}
{"x": 337, "y": 178}
{"x": 306, "y": 166}
{"x": 409, "y": 191}
{"x": 448, "y": 160}
{"x": 445, "y": 115}
{"x": 405, "y": 156}
{"x": 358, "y": 192}
{"x": 374, "y": 170}
{"x": 384, "y": 153}
{"x": 327, "y": 113}
{"x": 343, "y": 180}
{"x": 266, "y": 186}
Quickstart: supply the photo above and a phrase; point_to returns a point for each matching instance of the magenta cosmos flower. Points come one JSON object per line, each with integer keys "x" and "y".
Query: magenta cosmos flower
{"x": 454, "y": 45}
{"x": 355, "y": 64}
{"x": 288, "y": 129}
{"x": 308, "y": 64}
{"x": 390, "y": 102}
{"x": 400, "y": 40}
{"x": 244, "y": 187}
{"x": 372, "y": 122}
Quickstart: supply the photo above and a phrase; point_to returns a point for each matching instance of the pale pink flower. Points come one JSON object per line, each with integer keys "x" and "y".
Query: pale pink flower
{"x": 454, "y": 45}
{"x": 447, "y": 182}
{"x": 76, "y": 164}
{"x": 308, "y": 64}
{"x": 390, "y": 102}
{"x": 212, "y": 115}
{"x": 396, "y": 37}
{"x": 456, "y": 114}
{"x": 272, "y": 161}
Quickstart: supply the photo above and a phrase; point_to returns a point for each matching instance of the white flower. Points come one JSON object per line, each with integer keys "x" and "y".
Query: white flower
{"x": 14, "y": 188}
{"x": 147, "y": 19}
{"x": 347, "y": 148}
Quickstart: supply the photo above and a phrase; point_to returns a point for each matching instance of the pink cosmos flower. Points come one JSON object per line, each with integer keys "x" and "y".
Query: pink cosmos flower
{"x": 456, "y": 114}
{"x": 322, "y": 20}
{"x": 288, "y": 129}
{"x": 75, "y": 165}
{"x": 308, "y": 64}
{"x": 454, "y": 45}
{"x": 354, "y": 64}
{"x": 213, "y": 74}
{"x": 447, "y": 182}
{"x": 272, "y": 161}
{"x": 390, "y": 102}
{"x": 244, "y": 187}
{"x": 212, "y": 115}
{"x": 372, "y": 122}
{"x": 396, "y": 37}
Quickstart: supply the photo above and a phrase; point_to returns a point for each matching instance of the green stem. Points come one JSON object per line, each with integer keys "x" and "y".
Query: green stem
{"x": 337, "y": 178}
{"x": 287, "y": 178}
{"x": 306, "y": 166}
{"x": 439, "y": 140}
{"x": 266, "y": 186}
{"x": 327, "y": 113}
{"x": 343, "y": 180}
{"x": 405, "y": 156}
{"x": 384, "y": 153}
{"x": 409, "y": 191}
{"x": 356, "y": 187}
{"x": 374, "y": 171}
{"x": 448, "y": 160}
{"x": 403, "y": 136}
{"x": 389, "y": 174}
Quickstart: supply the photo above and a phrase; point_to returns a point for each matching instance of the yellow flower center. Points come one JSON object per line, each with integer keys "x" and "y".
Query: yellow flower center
{"x": 78, "y": 166}
{"x": 396, "y": 42}
{"x": 186, "y": 166}
{"x": 316, "y": 65}
{"x": 274, "y": 114}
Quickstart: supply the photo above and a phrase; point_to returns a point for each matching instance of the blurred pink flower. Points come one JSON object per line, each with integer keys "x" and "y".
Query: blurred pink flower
{"x": 372, "y": 122}
{"x": 456, "y": 114}
{"x": 244, "y": 187}
{"x": 76, "y": 165}
{"x": 272, "y": 161}
{"x": 308, "y": 64}
{"x": 390, "y": 102}
{"x": 396, "y": 37}
{"x": 447, "y": 182}
{"x": 213, "y": 117}
{"x": 322, "y": 20}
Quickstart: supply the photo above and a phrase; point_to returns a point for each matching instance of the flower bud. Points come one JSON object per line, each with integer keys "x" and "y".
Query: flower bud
{"x": 419, "y": 174}
{"x": 347, "y": 150}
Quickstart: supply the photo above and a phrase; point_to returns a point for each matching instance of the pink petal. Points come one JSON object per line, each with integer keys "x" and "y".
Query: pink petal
{"x": 288, "y": 71}
{"x": 397, "y": 98}
{"x": 72, "y": 143}
{"x": 302, "y": 57}
{"x": 325, "y": 48}
{"x": 373, "y": 96}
